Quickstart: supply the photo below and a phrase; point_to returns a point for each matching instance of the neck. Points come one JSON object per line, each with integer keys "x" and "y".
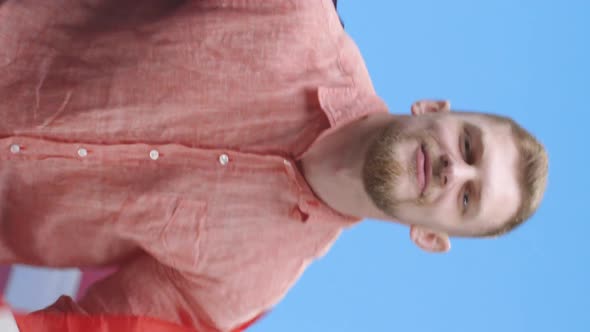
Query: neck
{"x": 333, "y": 167}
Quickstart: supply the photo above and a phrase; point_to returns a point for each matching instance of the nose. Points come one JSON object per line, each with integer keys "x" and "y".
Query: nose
{"x": 453, "y": 170}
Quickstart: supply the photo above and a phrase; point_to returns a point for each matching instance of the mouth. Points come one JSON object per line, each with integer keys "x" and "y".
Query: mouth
{"x": 422, "y": 169}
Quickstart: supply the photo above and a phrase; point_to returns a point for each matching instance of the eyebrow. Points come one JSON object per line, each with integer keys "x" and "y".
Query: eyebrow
{"x": 478, "y": 192}
{"x": 476, "y": 133}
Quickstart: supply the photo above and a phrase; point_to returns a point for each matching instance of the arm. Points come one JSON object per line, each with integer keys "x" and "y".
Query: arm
{"x": 146, "y": 288}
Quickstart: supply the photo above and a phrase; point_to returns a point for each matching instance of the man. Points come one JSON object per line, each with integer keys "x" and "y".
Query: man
{"x": 212, "y": 149}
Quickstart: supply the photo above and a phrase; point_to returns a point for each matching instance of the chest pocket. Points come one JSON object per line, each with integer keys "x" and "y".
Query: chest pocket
{"x": 167, "y": 226}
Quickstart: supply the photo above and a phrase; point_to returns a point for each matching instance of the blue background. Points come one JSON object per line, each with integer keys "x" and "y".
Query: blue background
{"x": 524, "y": 58}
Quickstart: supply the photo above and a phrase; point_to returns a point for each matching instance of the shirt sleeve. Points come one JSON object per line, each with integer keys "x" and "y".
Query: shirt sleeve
{"x": 143, "y": 287}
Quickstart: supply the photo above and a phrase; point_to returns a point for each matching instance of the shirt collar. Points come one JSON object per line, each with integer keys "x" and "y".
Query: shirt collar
{"x": 341, "y": 105}
{"x": 344, "y": 105}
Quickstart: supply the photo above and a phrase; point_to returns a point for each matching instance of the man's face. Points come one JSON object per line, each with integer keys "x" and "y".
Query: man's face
{"x": 452, "y": 172}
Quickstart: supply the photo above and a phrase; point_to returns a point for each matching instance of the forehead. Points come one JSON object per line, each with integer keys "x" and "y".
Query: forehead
{"x": 498, "y": 170}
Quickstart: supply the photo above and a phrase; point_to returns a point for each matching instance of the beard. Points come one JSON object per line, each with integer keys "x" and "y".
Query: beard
{"x": 382, "y": 170}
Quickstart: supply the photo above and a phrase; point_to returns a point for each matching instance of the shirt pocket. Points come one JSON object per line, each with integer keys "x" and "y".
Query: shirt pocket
{"x": 168, "y": 227}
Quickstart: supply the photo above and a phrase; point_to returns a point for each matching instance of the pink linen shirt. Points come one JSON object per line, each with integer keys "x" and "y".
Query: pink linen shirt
{"x": 163, "y": 137}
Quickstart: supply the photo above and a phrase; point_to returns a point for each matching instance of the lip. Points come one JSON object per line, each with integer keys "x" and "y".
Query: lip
{"x": 427, "y": 168}
{"x": 422, "y": 168}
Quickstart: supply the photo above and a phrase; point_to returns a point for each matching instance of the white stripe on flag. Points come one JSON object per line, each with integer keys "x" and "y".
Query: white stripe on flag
{"x": 7, "y": 322}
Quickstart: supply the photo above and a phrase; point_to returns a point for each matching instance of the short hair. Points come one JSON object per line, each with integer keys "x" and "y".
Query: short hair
{"x": 533, "y": 169}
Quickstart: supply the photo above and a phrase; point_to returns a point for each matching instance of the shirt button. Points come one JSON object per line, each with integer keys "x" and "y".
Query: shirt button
{"x": 154, "y": 154}
{"x": 224, "y": 159}
{"x": 15, "y": 148}
{"x": 82, "y": 152}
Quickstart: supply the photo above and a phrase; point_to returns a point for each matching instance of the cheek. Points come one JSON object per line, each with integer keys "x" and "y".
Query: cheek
{"x": 404, "y": 154}
{"x": 445, "y": 205}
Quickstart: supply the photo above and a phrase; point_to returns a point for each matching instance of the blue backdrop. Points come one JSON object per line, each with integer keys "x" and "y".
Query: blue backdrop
{"x": 524, "y": 58}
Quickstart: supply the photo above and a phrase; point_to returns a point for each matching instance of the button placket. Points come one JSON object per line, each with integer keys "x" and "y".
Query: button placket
{"x": 300, "y": 210}
{"x": 82, "y": 152}
{"x": 14, "y": 148}
{"x": 223, "y": 159}
{"x": 154, "y": 155}
{"x": 298, "y": 213}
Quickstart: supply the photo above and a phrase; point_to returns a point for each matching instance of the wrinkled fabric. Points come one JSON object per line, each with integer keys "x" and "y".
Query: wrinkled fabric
{"x": 162, "y": 137}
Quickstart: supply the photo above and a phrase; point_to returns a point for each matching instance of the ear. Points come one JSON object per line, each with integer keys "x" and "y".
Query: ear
{"x": 431, "y": 106}
{"x": 430, "y": 241}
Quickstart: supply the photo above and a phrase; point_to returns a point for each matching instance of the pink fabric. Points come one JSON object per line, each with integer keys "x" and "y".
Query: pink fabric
{"x": 197, "y": 240}
{"x": 89, "y": 277}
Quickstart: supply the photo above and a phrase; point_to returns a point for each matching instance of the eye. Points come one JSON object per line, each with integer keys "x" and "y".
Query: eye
{"x": 465, "y": 201}
{"x": 467, "y": 149}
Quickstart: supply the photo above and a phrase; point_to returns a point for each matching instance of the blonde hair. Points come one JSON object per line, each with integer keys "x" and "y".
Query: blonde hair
{"x": 533, "y": 168}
